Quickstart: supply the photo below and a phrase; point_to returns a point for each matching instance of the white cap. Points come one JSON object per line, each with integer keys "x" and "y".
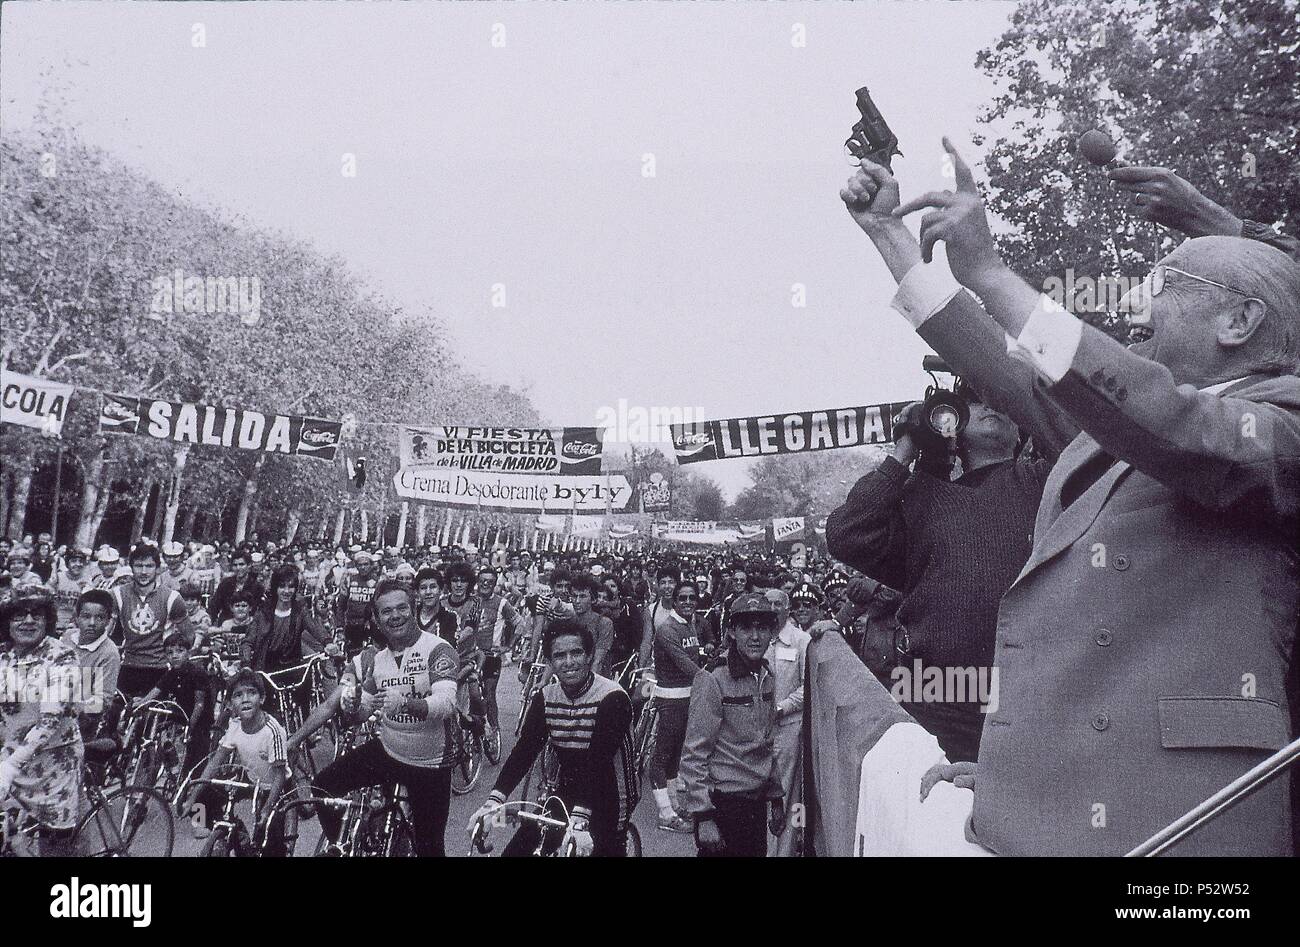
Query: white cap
{"x": 107, "y": 554}
{"x": 173, "y": 548}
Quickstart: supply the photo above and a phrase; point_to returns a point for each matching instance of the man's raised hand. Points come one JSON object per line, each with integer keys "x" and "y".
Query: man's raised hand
{"x": 1162, "y": 197}
{"x": 870, "y": 196}
{"x": 957, "y": 218}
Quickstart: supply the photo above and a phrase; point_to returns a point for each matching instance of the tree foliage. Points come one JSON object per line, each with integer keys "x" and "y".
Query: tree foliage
{"x": 1207, "y": 88}
{"x": 84, "y": 236}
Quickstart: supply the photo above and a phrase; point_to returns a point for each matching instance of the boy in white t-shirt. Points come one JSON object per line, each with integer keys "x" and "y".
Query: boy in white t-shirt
{"x": 256, "y": 741}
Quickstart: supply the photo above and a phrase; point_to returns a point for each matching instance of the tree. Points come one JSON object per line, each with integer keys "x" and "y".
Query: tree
{"x": 803, "y": 484}
{"x": 85, "y": 239}
{"x": 1207, "y": 88}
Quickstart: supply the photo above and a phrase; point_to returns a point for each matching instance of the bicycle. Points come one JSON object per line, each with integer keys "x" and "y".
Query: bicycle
{"x": 151, "y": 742}
{"x": 230, "y": 836}
{"x": 286, "y": 708}
{"x": 111, "y": 828}
{"x": 536, "y": 812}
{"x": 467, "y": 756}
{"x": 532, "y": 683}
{"x": 375, "y": 823}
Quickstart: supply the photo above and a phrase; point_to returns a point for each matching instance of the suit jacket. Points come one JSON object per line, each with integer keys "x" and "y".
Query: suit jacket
{"x": 1144, "y": 647}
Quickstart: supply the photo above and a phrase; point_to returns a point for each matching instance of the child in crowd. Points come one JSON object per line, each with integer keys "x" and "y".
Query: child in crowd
{"x": 256, "y": 741}
{"x": 229, "y": 640}
{"x": 186, "y": 684}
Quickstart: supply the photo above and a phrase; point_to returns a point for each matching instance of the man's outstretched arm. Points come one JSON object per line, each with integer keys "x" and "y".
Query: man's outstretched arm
{"x": 950, "y": 319}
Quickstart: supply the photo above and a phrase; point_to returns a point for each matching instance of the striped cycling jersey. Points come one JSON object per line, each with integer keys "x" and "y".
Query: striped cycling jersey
{"x": 591, "y": 734}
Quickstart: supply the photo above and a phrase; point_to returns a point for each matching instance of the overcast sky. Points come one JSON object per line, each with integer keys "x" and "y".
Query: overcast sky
{"x": 523, "y": 165}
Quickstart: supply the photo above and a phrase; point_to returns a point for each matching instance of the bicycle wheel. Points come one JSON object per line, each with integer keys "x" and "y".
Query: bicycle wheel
{"x": 633, "y": 841}
{"x": 133, "y": 821}
{"x": 469, "y": 762}
{"x": 218, "y": 844}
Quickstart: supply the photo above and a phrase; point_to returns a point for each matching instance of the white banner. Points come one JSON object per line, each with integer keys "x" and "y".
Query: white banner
{"x": 34, "y": 402}
{"x": 784, "y": 527}
{"x": 535, "y": 493}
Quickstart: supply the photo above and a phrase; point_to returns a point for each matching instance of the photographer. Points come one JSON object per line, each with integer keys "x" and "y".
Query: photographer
{"x": 952, "y": 548}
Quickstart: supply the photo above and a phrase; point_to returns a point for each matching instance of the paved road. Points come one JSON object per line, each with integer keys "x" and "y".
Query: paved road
{"x": 655, "y": 842}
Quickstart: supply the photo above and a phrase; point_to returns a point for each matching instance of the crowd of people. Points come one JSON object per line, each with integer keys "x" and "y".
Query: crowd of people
{"x": 418, "y": 635}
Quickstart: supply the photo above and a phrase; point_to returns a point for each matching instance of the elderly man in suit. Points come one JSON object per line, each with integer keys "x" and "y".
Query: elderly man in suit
{"x": 1144, "y": 647}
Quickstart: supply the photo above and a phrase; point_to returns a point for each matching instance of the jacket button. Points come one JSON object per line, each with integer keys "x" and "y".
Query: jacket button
{"x": 1104, "y": 638}
{"x": 1100, "y": 722}
{"x": 1121, "y": 563}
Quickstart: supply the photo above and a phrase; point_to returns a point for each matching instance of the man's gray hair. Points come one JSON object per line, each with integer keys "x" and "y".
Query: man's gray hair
{"x": 777, "y": 597}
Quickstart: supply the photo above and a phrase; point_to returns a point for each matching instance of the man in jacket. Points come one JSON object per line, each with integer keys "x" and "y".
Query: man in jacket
{"x": 730, "y": 787}
{"x": 1143, "y": 648}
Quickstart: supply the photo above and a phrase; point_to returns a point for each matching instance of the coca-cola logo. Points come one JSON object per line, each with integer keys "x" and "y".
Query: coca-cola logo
{"x": 686, "y": 440}
{"x": 318, "y": 436}
{"x": 115, "y": 409}
{"x": 581, "y": 449}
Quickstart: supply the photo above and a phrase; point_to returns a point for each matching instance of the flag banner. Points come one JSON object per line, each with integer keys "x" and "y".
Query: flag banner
{"x": 656, "y": 493}
{"x": 792, "y": 433}
{"x": 568, "y": 451}
{"x": 619, "y": 529}
{"x": 34, "y": 402}
{"x": 710, "y": 532}
{"x": 552, "y": 523}
{"x": 786, "y": 528}
{"x": 220, "y": 427}
{"x": 530, "y": 493}
{"x": 587, "y": 527}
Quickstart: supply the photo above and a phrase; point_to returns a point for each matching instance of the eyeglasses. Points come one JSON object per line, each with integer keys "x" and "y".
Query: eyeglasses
{"x": 26, "y": 611}
{"x": 1159, "y": 274}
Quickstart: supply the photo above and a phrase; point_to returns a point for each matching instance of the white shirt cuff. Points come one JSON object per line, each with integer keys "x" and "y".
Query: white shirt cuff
{"x": 923, "y": 291}
{"x": 1048, "y": 341}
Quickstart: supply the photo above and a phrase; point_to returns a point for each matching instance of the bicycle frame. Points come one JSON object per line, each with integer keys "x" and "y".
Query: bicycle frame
{"x": 528, "y": 811}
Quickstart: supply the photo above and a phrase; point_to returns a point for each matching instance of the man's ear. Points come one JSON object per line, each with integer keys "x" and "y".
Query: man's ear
{"x": 1236, "y": 326}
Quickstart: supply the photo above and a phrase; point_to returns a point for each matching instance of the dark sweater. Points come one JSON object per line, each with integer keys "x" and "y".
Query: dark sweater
{"x": 951, "y": 549}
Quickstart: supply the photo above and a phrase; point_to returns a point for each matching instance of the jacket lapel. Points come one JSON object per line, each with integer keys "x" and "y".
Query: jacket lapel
{"x": 1056, "y": 529}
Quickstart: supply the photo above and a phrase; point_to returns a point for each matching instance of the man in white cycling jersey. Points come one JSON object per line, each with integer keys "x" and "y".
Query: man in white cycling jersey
{"x": 411, "y": 684}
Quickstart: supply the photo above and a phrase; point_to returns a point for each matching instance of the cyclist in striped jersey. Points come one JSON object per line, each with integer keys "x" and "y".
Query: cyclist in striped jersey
{"x": 588, "y": 721}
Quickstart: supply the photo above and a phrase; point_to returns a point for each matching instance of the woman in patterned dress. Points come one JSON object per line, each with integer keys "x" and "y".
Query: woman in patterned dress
{"x": 40, "y": 743}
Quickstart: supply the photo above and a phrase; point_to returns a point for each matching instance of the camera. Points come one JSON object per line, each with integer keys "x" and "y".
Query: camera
{"x": 943, "y": 414}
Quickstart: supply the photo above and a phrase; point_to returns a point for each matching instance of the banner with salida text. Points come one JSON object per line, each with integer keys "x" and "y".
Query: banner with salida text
{"x": 186, "y": 423}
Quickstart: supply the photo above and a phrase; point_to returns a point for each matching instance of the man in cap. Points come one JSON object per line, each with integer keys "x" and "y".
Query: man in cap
{"x": 730, "y": 788}
{"x": 806, "y": 605}
{"x": 175, "y": 572}
{"x": 352, "y": 606}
